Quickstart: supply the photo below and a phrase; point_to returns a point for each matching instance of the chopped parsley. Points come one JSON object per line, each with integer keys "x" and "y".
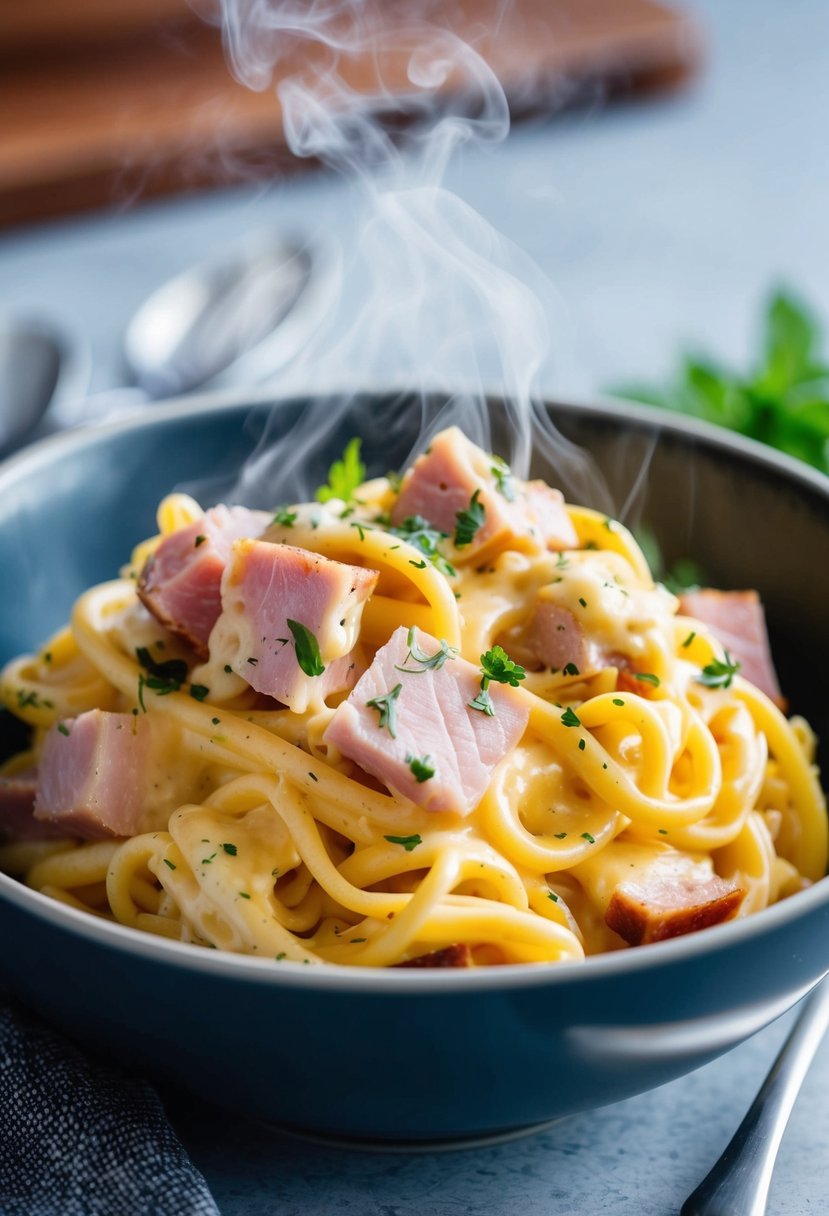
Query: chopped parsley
{"x": 483, "y": 702}
{"x": 618, "y": 701}
{"x": 199, "y": 541}
{"x": 689, "y": 639}
{"x": 720, "y": 672}
{"x": 387, "y": 708}
{"x": 570, "y": 717}
{"x": 559, "y": 835}
{"x": 468, "y": 521}
{"x": 169, "y": 863}
{"x": 163, "y": 677}
{"x": 408, "y": 842}
{"x": 230, "y": 849}
{"x": 422, "y": 770}
{"x": 420, "y": 533}
{"x": 582, "y": 745}
{"x": 647, "y": 677}
{"x": 63, "y": 728}
{"x": 496, "y": 667}
{"x": 307, "y": 649}
{"x": 284, "y": 517}
{"x": 582, "y": 601}
{"x": 590, "y": 839}
{"x": 362, "y": 528}
{"x": 552, "y": 895}
{"x": 344, "y": 476}
{"x": 244, "y": 895}
{"x": 425, "y": 662}
{"x": 199, "y": 691}
{"x": 228, "y": 669}
{"x": 570, "y": 669}
{"x": 499, "y": 668}
{"x": 502, "y": 473}
{"x": 313, "y": 776}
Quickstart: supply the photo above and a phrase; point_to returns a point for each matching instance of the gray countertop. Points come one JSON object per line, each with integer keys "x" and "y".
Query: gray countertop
{"x": 661, "y": 225}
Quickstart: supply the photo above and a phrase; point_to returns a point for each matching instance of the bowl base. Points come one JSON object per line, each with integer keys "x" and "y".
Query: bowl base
{"x": 448, "y": 1144}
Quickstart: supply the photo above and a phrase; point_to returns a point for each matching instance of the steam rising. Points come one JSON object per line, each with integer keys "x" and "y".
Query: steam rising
{"x": 388, "y": 100}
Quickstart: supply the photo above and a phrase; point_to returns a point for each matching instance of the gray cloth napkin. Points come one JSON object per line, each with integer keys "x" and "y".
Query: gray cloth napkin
{"x": 78, "y": 1138}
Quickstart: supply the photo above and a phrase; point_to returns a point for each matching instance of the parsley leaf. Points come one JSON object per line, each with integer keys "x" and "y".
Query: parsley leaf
{"x": 284, "y": 517}
{"x": 344, "y": 476}
{"x": 387, "y": 708}
{"x": 422, "y": 770}
{"x": 425, "y": 662}
{"x": 499, "y": 668}
{"x": 468, "y": 521}
{"x": 408, "y": 842}
{"x": 570, "y": 717}
{"x": 483, "y": 702}
{"x": 783, "y": 400}
{"x": 420, "y": 533}
{"x": 719, "y": 673}
{"x": 502, "y": 473}
{"x": 307, "y": 649}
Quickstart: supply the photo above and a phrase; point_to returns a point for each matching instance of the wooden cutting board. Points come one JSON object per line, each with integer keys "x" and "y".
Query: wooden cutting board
{"x": 103, "y": 103}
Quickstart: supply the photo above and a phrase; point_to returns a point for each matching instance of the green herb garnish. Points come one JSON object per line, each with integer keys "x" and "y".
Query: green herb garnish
{"x": 719, "y": 673}
{"x": 570, "y": 717}
{"x": 230, "y": 849}
{"x": 468, "y": 521}
{"x": 199, "y": 691}
{"x": 344, "y": 476}
{"x": 422, "y": 770}
{"x": 503, "y": 478}
{"x": 647, "y": 677}
{"x": 284, "y": 517}
{"x": 63, "y": 728}
{"x": 420, "y": 533}
{"x": 424, "y": 661}
{"x": 307, "y": 649}
{"x": 408, "y": 842}
{"x": 387, "y": 708}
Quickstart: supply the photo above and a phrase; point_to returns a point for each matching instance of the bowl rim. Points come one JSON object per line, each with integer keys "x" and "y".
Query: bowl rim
{"x": 386, "y": 981}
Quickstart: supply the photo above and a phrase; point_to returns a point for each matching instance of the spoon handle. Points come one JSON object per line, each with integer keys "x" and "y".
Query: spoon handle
{"x": 738, "y": 1184}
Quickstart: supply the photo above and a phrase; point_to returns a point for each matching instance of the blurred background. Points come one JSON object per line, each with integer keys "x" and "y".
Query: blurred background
{"x": 665, "y": 173}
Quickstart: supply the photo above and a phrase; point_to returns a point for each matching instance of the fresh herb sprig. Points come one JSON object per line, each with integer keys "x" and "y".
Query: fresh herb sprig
{"x": 420, "y": 533}
{"x": 496, "y": 668}
{"x": 307, "y": 649}
{"x": 783, "y": 400}
{"x": 386, "y": 706}
{"x": 469, "y": 521}
{"x": 344, "y": 476}
{"x": 424, "y": 661}
{"x": 719, "y": 673}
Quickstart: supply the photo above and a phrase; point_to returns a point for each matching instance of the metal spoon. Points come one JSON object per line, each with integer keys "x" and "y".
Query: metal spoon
{"x": 39, "y": 366}
{"x": 738, "y": 1185}
{"x": 233, "y": 320}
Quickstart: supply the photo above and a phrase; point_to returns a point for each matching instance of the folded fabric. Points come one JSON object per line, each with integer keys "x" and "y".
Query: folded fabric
{"x": 80, "y": 1139}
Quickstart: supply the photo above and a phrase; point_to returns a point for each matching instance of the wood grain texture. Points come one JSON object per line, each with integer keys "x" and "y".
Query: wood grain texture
{"x": 102, "y": 103}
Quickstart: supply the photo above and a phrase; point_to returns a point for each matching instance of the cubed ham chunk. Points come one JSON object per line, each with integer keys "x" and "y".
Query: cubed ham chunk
{"x": 181, "y": 582}
{"x": 738, "y": 622}
{"x": 91, "y": 777}
{"x": 513, "y": 514}
{"x": 458, "y": 955}
{"x": 17, "y": 804}
{"x": 290, "y": 620}
{"x": 663, "y": 907}
{"x": 556, "y": 638}
{"x": 428, "y": 744}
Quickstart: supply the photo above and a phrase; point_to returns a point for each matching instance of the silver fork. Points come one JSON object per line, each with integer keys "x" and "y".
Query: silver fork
{"x": 738, "y": 1185}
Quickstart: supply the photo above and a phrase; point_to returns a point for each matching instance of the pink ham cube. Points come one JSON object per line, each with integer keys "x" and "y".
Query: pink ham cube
{"x": 92, "y": 775}
{"x": 737, "y": 621}
{"x": 455, "y": 476}
{"x": 290, "y": 621}
{"x": 429, "y": 744}
{"x": 181, "y": 582}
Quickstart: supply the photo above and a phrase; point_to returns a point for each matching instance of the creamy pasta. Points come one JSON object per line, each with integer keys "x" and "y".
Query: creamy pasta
{"x": 640, "y": 775}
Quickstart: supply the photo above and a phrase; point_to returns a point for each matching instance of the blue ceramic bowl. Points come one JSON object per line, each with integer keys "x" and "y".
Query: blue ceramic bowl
{"x": 415, "y": 1055}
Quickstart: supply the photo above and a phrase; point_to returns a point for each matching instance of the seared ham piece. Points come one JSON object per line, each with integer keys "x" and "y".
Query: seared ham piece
{"x": 737, "y": 620}
{"x": 663, "y": 907}
{"x": 516, "y": 514}
{"x": 17, "y": 803}
{"x": 458, "y": 955}
{"x": 557, "y": 640}
{"x": 180, "y": 583}
{"x": 91, "y": 775}
{"x": 290, "y": 620}
{"x": 424, "y": 740}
